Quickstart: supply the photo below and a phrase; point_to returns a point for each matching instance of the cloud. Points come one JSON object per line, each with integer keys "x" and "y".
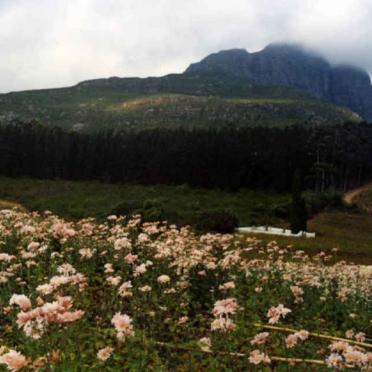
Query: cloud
{"x": 48, "y": 43}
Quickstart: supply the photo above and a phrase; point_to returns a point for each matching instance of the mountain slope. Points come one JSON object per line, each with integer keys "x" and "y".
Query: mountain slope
{"x": 185, "y": 100}
{"x": 293, "y": 66}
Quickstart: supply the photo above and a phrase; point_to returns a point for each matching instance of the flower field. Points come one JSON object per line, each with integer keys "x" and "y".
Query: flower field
{"x": 130, "y": 296}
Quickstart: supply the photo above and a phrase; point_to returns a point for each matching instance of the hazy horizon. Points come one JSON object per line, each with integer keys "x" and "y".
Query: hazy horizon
{"x": 48, "y": 45}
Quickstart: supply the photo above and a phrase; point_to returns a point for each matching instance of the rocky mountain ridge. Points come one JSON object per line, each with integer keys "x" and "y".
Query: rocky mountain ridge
{"x": 293, "y": 66}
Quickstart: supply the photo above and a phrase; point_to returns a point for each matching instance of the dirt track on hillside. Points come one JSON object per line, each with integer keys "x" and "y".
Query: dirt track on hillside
{"x": 352, "y": 194}
{"x": 8, "y": 204}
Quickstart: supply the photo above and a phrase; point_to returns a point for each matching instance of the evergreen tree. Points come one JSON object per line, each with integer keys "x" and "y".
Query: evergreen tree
{"x": 298, "y": 208}
{"x": 229, "y": 159}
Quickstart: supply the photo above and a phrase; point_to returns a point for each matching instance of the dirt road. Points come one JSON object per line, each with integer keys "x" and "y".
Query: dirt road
{"x": 352, "y": 194}
{"x": 7, "y": 204}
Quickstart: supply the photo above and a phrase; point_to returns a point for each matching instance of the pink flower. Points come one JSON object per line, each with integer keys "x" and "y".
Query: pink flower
{"x": 227, "y": 285}
{"x": 205, "y": 344}
{"x": 361, "y": 336}
{"x": 70, "y": 316}
{"x": 223, "y": 324}
{"x": 105, "y": 353}
{"x": 260, "y": 338}
{"x": 33, "y": 246}
{"x": 66, "y": 269}
{"x": 291, "y": 341}
{"x": 275, "y": 313}
{"x": 145, "y": 288}
{"x": 183, "y": 320}
{"x": 339, "y": 346}
{"x": 6, "y": 257}
{"x": 334, "y": 361}
{"x": 162, "y": 279}
{"x": 124, "y": 289}
{"x": 86, "y": 253}
{"x": 225, "y": 307}
{"x": 130, "y": 258}
{"x": 35, "y": 321}
{"x": 21, "y": 300}
{"x": 122, "y": 243}
{"x": 298, "y": 293}
{"x": 256, "y": 357}
{"x": 62, "y": 231}
{"x": 108, "y": 268}
{"x": 13, "y": 360}
{"x": 302, "y": 335}
{"x": 123, "y": 325}
{"x": 349, "y": 333}
{"x": 296, "y": 290}
{"x": 142, "y": 238}
{"x": 141, "y": 269}
{"x": 355, "y": 357}
{"x": 45, "y": 288}
{"x": 113, "y": 280}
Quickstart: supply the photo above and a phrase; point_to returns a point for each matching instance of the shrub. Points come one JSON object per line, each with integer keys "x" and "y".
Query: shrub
{"x": 222, "y": 221}
{"x": 282, "y": 210}
{"x": 127, "y": 207}
{"x": 299, "y": 215}
{"x": 152, "y": 210}
{"x": 316, "y": 202}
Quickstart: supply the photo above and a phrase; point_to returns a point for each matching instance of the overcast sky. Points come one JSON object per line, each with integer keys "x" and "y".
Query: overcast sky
{"x": 51, "y": 43}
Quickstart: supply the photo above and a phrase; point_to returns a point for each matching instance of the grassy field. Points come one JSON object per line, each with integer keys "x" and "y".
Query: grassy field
{"x": 350, "y": 232}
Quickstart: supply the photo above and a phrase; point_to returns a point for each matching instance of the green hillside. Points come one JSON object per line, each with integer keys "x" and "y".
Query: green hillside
{"x": 171, "y": 101}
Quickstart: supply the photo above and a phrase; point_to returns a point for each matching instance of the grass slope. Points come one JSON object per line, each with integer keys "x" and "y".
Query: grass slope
{"x": 351, "y": 233}
{"x": 172, "y": 101}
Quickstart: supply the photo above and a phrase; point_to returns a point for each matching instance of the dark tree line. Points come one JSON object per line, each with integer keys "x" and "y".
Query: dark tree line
{"x": 266, "y": 158}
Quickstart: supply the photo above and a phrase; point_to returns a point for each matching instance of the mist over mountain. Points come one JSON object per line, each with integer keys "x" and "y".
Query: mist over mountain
{"x": 291, "y": 65}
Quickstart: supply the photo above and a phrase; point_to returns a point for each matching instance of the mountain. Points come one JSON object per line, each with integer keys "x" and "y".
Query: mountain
{"x": 231, "y": 88}
{"x": 293, "y": 66}
{"x": 173, "y": 101}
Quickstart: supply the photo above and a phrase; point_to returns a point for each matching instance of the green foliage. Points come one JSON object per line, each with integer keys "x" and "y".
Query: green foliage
{"x": 180, "y": 204}
{"x": 222, "y": 221}
{"x": 127, "y": 207}
{"x": 317, "y": 202}
{"x": 152, "y": 211}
